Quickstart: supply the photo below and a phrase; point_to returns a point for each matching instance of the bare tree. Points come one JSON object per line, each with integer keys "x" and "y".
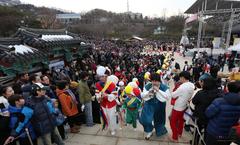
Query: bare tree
{"x": 47, "y": 18}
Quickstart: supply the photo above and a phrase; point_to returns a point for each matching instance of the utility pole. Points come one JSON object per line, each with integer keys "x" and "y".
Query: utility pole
{"x": 127, "y": 6}
{"x": 164, "y": 13}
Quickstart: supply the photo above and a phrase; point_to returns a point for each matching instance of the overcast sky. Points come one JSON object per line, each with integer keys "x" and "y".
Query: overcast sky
{"x": 146, "y": 7}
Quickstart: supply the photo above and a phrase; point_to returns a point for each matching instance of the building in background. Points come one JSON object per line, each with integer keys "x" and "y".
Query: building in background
{"x": 68, "y": 17}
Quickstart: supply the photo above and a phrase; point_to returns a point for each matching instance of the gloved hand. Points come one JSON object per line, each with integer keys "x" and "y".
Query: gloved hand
{"x": 93, "y": 98}
{"x": 98, "y": 95}
{"x": 82, "y": 108}
{"x": 111, "y": 97}
{"x": 118, "y": 102}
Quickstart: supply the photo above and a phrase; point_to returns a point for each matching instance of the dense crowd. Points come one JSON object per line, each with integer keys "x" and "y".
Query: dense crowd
{"x": 120, "y": 83}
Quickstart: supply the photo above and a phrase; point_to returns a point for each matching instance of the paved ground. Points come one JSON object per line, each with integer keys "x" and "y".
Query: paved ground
{"x": 94, "y": 136}
{"x": 126, "y": 136}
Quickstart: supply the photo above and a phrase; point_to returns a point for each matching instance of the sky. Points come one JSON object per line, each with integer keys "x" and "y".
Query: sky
{"x": 153, "y": 8}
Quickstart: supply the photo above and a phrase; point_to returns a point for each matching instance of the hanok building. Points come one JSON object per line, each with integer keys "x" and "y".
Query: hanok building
{"x": 31, "y": 50}
{"x": 224, "y": 13}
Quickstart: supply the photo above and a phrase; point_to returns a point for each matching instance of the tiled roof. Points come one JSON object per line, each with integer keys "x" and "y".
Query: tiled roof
{"x": 29, "y": 46}
{"x": 42, "y": 38}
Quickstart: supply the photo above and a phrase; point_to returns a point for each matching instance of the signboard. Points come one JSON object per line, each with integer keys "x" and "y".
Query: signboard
{"x": 56, "y": 65}
{"x": 236, "y": 41}
{"x": 216, "y": 42}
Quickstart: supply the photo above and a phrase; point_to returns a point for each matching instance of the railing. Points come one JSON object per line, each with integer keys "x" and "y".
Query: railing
{"x": 210, "y": 12}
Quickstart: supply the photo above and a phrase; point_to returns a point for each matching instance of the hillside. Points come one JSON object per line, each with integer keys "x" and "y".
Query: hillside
{"x": 96, "y": 22}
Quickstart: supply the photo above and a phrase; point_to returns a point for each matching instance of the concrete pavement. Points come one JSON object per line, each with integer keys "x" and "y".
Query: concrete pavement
{"x": 126, "y": 136}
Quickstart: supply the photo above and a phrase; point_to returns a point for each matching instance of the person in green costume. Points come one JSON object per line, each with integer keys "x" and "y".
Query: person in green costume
{"x": 132, "y": 105}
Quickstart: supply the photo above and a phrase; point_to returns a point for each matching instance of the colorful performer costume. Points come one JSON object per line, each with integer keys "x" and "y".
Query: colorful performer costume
{"x": 132, "y": 105}
{"x": 120, "y": 100}
{"x": 154, "y": 110}
{"x": 107, "y": 94}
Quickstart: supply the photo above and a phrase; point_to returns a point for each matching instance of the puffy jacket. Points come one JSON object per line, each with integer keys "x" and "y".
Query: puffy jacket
{"x": 43, "y": 119}
{"x": 69, "y": 106}
{"x": 223, "y": 114}
{"x": 202, "y": 100}
{"x": 19, "y": 120}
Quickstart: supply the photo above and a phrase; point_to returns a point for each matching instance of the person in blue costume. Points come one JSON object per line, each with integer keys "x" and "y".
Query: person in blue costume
{"x": 155, "y": 94}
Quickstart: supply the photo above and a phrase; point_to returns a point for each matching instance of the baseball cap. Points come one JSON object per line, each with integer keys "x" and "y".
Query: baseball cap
{"x": 39, "y": 86}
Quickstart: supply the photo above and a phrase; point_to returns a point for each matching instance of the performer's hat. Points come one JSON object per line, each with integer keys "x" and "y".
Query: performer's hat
{"x": 164, "y": 66}
{"x": 133, "y": 84}
{"x": 112, "y": 78}
{"x": 136, "y": 91}
{"x": 101, "y": 71}
{"x": 136, "y": 81}
{"x": 121, "y": 83}
{"x": 147, "y": 76}
{"x": 159, "y": 72}
{"x": 129, "y": 90}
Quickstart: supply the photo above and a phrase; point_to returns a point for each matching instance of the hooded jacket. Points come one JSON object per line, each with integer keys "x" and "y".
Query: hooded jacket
{"x": 223, "y": 114}
{"x": 19, "y": 120}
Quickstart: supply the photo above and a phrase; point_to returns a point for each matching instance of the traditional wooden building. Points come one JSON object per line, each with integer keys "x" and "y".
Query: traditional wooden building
{"x": 31, "y": 50}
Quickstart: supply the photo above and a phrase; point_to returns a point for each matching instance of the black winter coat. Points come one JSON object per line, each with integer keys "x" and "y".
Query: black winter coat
{"x": 202, "y": 100}
{"x": 43, "y": 119}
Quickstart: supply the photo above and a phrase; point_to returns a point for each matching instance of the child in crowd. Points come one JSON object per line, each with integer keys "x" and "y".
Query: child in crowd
{"x": 120, "y": 100}
{"x": 20, "y": 116}
{"x": 132, "y": 105}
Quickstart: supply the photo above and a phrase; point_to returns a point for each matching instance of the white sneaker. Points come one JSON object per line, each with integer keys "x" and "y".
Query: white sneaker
{"x": 148, "y": 135}
{"x": 113, "y": 132}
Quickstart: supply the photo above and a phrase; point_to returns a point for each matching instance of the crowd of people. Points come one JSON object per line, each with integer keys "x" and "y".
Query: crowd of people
{"x": 121, "y": 83}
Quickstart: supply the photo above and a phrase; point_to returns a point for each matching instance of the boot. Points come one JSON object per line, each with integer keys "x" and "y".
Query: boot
{"x": 77, "y": 126}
